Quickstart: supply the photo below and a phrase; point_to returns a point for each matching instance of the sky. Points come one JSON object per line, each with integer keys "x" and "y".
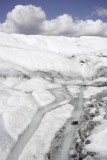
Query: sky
{"x": 52, "y": 14}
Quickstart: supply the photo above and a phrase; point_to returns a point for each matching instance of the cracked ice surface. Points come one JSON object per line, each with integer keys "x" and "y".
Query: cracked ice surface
{"x": 39, "y": 77}
{"x": 40, "y": 143}
{"x": 17, "y": 110}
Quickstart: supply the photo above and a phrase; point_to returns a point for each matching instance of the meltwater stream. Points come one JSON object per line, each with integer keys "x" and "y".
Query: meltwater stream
{"x": 26, "y": 136}
{"x": 69, "y": 133}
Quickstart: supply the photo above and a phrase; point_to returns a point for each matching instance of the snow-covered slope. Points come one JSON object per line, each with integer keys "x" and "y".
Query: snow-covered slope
{"x": 48, "y": 85}
{"x": 70, "y": 56}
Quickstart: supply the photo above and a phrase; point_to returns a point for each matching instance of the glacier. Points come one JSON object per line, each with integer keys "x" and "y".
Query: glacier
{"x": 53, "y": 97}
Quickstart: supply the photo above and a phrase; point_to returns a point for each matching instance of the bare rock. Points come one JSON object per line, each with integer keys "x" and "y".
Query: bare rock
{"x": 87, "y": 142}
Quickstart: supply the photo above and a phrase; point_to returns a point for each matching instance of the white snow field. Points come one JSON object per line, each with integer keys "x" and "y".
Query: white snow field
{"x": 44, "y": 83}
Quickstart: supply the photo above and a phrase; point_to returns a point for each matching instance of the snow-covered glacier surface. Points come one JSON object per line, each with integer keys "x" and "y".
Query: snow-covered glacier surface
{"x": 53, "y": 97}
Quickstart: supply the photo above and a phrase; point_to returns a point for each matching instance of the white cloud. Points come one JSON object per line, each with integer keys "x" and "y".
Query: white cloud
{"x": 102, "y": 12}
{"x": 64, "y": 25}
{"x": 32, "y": 20}
{"x": 24, "y": 19}
{"x": 59, "y": 26}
